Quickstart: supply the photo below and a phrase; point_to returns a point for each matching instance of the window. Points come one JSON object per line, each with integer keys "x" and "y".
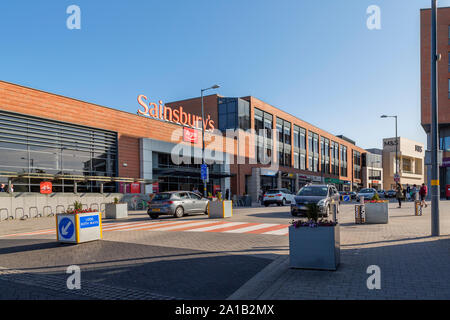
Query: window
{"x": 449, "y": 88}
{"x": 302, "y": 139}
{"x": 357, "y": 164}
{"x": 280, "y": 130}
{"x": 287, "y": 132}
{"x": 33, "y": 145}
{"x": 296, "y": 137}
{"x": 296, "y": 160}
{"x": 233, "y": 113}
{"x": 310, "y": 142}
{"x": 302, "y": 161}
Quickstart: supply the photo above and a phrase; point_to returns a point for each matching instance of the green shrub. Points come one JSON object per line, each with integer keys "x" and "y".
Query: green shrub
{"x": 376, "y": 197}
{"x": 312, "y": 212}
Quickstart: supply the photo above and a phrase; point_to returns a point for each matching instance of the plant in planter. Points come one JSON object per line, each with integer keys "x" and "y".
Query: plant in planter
{"x": 376, "y": 210}
{"x": 78, "y": 208}
{"x": 318, "y": 245}
{"x": 116, "y": 209}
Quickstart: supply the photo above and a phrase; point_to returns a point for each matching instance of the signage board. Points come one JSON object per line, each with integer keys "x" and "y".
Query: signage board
{"x": 440, "y": 158}
{"x": 46, "y": 187}
{"x": 178, "y": 116}
{"x": 190, "y": 135}
{"x": 396, "y": 177}
{"x": 155, "y": 186}
{"x": 346, "y": 198}
{"x": 446, "y": 162}
{"x": 89, "y": 221}
{"x": 135, "y": 188}
{"x": 204, "y": 172}
{"x": 66, "y": 228}
{"x": 267, "y": 172}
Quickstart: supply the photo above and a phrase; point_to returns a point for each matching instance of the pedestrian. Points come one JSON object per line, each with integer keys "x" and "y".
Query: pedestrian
{"x": 413, "y": 192}
{"x": 195, "y": 190}
{"x": 227, "y": 194}
{"x": 2, "y": 188}
{"x": 408, "y": 192}
{"x": 399, "y": 194}
{"x": 11, "y": 188}
{"x": 260, "y": 195}
{"x": 423, "y": 193}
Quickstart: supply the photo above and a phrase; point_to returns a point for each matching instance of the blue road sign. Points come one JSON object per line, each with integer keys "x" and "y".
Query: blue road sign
{"x": 66, "y": 228}
{"x": 89, "y": 221}
{"x": 204, "y": 172}
{"x": 346, "y": 198}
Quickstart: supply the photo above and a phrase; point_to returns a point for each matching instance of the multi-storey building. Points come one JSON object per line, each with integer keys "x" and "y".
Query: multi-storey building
{"x": 443, "y": 85}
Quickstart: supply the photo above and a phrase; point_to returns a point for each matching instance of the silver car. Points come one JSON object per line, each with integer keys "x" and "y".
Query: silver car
{"x": 367, "y": 193}
{"x": 177, "y": 203}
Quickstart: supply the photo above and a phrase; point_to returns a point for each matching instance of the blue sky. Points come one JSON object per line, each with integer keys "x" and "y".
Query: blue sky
{"x": 314, "y": 59}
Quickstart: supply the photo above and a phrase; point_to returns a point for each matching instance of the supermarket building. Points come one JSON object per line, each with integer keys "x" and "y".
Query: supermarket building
{"x": 83, "y": 147}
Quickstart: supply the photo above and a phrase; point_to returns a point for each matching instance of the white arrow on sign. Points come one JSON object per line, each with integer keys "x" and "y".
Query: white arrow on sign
{"x": 64, "y": 229}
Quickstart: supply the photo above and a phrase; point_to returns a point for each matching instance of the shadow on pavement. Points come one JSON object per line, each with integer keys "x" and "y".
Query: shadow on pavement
{"x": 174, "y": 272}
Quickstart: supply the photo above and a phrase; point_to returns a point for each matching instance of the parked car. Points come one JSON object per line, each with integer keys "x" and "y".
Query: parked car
{"x": 323, "y": 195}
{"x": 280, "y": 197}
{"x": 382, "y": 193}
{"x": 390, "y": 194}
{"x": 367, "y": 193}
{"x": 177, "y": 203}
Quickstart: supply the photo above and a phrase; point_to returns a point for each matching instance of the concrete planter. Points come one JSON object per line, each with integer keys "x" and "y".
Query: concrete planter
{"x": 220, "y": 209}
{"x": 78, "y": 228}
{"x": 377, "y": 213}
{"x": 116, "y": 211}
{"x": 314, "y": 248}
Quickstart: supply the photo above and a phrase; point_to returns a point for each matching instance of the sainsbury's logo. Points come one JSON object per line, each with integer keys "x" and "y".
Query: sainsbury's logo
{"x": 163, "y": 112}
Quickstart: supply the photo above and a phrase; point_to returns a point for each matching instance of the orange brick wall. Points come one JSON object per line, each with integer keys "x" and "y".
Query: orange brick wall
{"x": 130, "y": 127}
{"x": 443, "y": 19}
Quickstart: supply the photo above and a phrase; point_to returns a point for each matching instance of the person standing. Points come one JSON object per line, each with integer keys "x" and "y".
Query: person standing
{"x": 408, "y": 192}
{"x": 413, "y": 192}
{"x": 227, "y": 194}
{"x": 399, "y": 194}
{"x": 2, "y": 188}
{"x": 423, "y": 193}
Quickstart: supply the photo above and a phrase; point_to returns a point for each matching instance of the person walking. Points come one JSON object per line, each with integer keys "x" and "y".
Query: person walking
{"x": 423, "y": 193}
{"x": 227, "y": 194}
{"x": 399, "y": 194}
{"x": 413, "y": 192}
{"x": 2, "y": 188}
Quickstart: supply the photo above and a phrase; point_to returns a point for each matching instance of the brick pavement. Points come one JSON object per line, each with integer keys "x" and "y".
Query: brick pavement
{"x": 413, "y": 265}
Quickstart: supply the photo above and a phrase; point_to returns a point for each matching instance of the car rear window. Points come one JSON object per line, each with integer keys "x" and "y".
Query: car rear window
{"x": 162, "y": 196}
{"x": 273, "y": 191}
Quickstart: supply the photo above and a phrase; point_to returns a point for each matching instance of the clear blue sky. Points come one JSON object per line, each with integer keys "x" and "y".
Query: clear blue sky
{"x": 314, "y": 59}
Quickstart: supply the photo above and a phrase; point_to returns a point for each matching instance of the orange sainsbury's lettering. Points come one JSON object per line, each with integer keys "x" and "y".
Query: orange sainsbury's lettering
{"x": 160, "y": 111}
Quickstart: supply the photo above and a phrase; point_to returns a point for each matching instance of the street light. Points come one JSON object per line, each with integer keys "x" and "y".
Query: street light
{"x": 396, "y": 141}
{"x": 203, "y": 134}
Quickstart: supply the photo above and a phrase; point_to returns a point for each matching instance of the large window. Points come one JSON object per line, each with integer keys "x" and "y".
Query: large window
{"x": 233, "y": 113}
{"x": 299, "y": 147}
{"x": 33, "y": 145}
{"x": 263, "y": 129}
{"x": 357, "y": 164}
{"x": 343, "y": 165}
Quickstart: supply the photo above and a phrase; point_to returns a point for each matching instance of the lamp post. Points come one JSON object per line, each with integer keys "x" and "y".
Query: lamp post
{"x": 434, "y": 125}
{"x": 203, "y": 134}
{"x": 396, "y": 141}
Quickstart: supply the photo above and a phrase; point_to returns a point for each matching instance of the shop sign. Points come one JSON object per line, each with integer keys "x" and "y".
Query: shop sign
{"x": 391, "y": 142}
{"x": 375, "y": 181}
{"x": 418, "y": 148}
{"x": 135, "y": 188}
{"x": 446, "y": 162}
{"x": 216, "y": 188}
{"x": 267, "y": 172}
{"x": 155, "y": 187}
{"x": 46, "y": 187}
{"x": 163, "y": 112}
{"x": 190, "y": 135}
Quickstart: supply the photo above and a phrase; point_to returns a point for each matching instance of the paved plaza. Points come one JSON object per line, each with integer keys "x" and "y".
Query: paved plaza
{"x": 244, "y": 257}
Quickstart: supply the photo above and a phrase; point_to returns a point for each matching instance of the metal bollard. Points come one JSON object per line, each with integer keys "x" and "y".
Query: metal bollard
{"x": 417, "y": 208}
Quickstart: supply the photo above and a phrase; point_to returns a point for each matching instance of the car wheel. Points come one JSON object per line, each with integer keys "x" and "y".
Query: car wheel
{"x": 266, "y": 204}
{"x": 283, "y": 202}
{"x": 206, "y": 210}
{"x": 179, "y": 212}
{"x": 154, "y": 216}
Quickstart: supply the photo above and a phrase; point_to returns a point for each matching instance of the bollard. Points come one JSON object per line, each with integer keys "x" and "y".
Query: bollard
{"x": 417, "y": 208}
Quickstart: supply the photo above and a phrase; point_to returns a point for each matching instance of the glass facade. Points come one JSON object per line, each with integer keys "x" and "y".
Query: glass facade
{"x": 357, "y": 164}
{"x": 284, "y": 142}
{"x": 263, "y": 129}
{"x": 33, "y": 145}
{"x": 234, "y": 113}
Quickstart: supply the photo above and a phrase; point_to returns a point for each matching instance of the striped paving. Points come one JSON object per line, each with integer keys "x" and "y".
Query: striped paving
{"x": 184, "y": 225}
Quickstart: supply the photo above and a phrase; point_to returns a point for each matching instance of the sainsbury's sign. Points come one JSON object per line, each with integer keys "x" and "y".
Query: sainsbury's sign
{"x": 163, "y": 112}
